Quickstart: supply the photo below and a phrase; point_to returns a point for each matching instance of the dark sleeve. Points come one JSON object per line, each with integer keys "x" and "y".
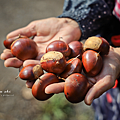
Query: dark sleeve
{"x": 91, "y": 15}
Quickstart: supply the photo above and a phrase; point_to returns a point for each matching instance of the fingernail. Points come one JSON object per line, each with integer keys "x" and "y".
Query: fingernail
{"x": 47, "y": 90}
{"x": 89, "y": 102}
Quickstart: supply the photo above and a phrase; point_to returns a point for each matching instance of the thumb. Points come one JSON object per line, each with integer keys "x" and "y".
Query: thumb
{"x": 98, "y": 89}
{"x": 28, "y": 31}
{"x": 55, "y": 88}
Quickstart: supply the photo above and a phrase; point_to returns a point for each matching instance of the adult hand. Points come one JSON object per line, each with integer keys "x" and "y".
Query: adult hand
{"x": 102, "y": 82}
{"x": 44, "y": 32}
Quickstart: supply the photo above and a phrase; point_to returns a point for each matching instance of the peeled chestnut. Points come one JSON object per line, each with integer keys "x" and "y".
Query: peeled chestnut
{"x": 24, "y": 48}
{"x": 76, "y": 87}
{"x": 31, "y": 72}
{"x": 38, "y": 88}
{"x": 53, "y": 62}
{"x": 59, "y": 45}
{"x": 98, "y": 44}
{"x": 73, "y": 65}
{"x": 92, "y": 62}
{"x": 76, "y": 49}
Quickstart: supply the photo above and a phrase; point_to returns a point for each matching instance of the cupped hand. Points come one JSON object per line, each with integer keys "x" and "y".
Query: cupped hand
{"x": 44, "y": 32}
{"x": 100, "y": 83}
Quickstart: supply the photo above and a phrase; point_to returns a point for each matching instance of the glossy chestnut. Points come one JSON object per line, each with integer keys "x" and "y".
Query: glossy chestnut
{"x": 59, "y": 45}
{"x": 24, "y": 48}
{"x": 38, "y": 88}
{"x": 92, "y": 62}
{"x": 98, "y": 44}
{"x": 76, "y": 87}
{"x": 76, "y": 49}
{"x": 53, "y": 62}
{"x": 31, "y": 72}
{"x": 73, "y": 65}
{"x": 7, "y": 43}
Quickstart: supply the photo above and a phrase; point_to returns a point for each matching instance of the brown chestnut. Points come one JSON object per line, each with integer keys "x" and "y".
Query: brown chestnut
{"x": 76, "y": 49}
{"x": 59, "y": 45}
{"x": 53, "y": 62}
{"x": 31, "y": 72}
{"x": 38, "y": 88}
{"x": 24, "y": 48}
{"x": 92, "y": 62}
{"x": 98, "y": 44}
{"x": 7, "y": 43}
{"x": 76, "y": 87}
{"x": 73, "y": 65}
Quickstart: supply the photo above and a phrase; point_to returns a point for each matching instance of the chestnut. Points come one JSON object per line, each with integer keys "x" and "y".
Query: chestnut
{"x": 76, "y": 49}
{"x": 7, "y": 43}
{"x": 31, "y": 72}
{"x": 92, "y": 62}
{"x": 53, "y": 62}
{"x": 38, "y": 88}
{"x": 24, "y": 48}
{"x": 76, "y": 87}
{"x": 73, "y": 65}
{"x": 98, "y": 44}
{"x": 59, "y": 45}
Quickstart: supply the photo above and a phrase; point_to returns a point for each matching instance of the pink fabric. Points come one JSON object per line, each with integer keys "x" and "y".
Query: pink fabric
{"x": 116, "y": 10}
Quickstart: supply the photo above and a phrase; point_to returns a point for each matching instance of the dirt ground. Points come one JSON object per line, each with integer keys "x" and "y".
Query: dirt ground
{"x": 16, "y": 101}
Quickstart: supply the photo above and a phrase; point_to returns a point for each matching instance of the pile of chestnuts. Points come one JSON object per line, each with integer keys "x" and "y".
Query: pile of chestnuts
{"x": 61, "y": 62}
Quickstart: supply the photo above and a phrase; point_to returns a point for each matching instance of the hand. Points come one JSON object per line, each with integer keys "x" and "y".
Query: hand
{"x": 102, "y": 82}
{"x": 44, "y": 32}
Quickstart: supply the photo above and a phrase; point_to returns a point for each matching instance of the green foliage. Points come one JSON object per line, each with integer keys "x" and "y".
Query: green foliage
{"x": 56, "y": 108}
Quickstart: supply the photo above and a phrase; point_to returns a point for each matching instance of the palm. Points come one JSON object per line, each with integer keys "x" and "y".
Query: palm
{"x": 101, "y": 83}
{"x": 53, "y": 29}
{"x": 106, "y": 79}
{"x": 45, "y": 31}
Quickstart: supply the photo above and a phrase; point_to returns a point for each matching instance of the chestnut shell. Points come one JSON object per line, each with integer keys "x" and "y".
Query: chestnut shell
{"x": 53, "y": 62}
{"x": 26, "y": 73}
{"x": 76, "y": 49}
{"x": 73, "y": 65}
{"x": 92, "y": 62}
{"x": 24, "y": 48}
{"x": 38, "y": 88}
{"x": 59, "y": 45}
{"x": 98, "y": 44}
{"x": 76, "y": 87}
{"x": 7, "y": 43}
{"x": 105, "y": 47}
{"x": 30, "y": 72}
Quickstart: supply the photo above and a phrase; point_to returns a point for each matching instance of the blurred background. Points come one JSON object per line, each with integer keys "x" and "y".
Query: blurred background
{"x": 16, "y": 101}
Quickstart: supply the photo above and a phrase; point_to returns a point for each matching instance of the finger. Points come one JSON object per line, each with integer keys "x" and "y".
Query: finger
{"x": 55, "y": 88}
{"x": 6, "y": 55}
{"x": 6, "y": 50}
{"x": 98, "y": 89}
{"x": 28, "y": 31}
{"x": 28, "y": 62}
{"x": 29, "y": 84}
{"x": 13, "y": 62}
